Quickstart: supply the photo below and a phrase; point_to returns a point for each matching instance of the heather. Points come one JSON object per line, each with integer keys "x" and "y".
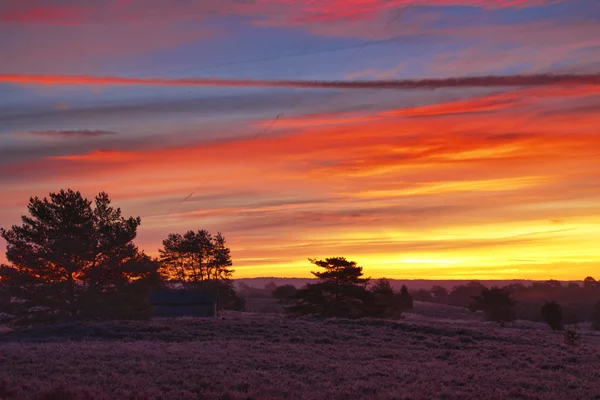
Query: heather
{"x": 434, "y": 351}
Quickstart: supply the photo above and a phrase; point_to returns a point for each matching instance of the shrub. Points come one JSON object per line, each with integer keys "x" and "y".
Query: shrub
{"x": 553, "y": 315}
{"x": 572, "y": 337}
{"x": 285, "y": 293}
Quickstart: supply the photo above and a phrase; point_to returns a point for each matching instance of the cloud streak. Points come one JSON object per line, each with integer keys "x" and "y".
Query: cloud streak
{"x": 434, "y": 83}
{"x": 83, "y": 133}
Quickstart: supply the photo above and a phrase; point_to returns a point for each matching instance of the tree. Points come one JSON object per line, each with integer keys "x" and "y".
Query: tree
{"x": 386, "y": 302}
{"x": 496, "y": 304}
{"x": 462, "y": 295}
{"x": 196, "y": 257}
{"x": 439, "y": 294}
{"x": 221, "y": 259}
{"x": 271, "y": 287}
{"x": 67, "y": 248}
{"x": 553, "y": 315}
{"x": 5, "y": 297}
{"x": 589, "y": 282}
{"x": 340, "y": 292}
{"x": 201, "y": 261}
{"x": 405, "y": 298}
{"x": 285, "y": 293}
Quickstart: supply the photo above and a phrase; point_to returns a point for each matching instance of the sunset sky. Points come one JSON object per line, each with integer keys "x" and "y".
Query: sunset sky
{"x": 163, "y": 104}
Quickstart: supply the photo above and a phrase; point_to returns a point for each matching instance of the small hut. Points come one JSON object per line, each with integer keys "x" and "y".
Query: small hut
{"x": 179, "y": 303}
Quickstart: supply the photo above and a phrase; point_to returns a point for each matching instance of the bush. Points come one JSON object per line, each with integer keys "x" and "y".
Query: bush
{"x": 553, "y": 315}
{"x": 285, "y": 293}
{"x": 572, "y": 337}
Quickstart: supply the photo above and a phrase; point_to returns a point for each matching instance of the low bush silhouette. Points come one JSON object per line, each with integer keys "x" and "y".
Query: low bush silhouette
{"x": 572, "y": 337}
{"x": 285, "y": 293}
{"x": 553, "y": 315}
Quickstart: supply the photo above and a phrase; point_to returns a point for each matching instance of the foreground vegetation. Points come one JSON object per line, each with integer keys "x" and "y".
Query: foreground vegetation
{"x": 260, "y": 356}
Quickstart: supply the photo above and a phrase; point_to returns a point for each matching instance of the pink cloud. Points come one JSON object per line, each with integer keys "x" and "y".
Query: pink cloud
{"x": 87, "y": 45}
{"x": 294, "y": 11}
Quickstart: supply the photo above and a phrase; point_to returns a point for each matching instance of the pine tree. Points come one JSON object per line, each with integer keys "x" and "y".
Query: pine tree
{"x": 68, "y": 248}
{"x": 341, "y": 291}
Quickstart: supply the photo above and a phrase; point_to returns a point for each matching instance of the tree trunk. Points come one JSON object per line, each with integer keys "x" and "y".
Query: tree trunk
{"x": 71, "y": 294}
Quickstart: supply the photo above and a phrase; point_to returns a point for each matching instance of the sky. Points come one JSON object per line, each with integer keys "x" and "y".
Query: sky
{"x": 422, "y": 138}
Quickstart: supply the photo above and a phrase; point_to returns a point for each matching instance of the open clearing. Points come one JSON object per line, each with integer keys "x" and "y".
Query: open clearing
{"x": 433, "y": 353}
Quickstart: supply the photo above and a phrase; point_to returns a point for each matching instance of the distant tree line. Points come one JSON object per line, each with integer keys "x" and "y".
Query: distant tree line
{"x": 552, "y": 302}
{"x": 74, "y": 258}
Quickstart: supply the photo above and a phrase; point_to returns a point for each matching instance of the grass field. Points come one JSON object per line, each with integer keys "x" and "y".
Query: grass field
{"x": 435, "y": 352}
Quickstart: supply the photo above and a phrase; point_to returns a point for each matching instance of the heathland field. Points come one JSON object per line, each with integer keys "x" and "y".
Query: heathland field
{"x": 433, "y": 352}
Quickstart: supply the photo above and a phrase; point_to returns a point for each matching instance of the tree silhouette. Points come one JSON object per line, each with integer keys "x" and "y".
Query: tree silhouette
{"x": 589, "y": 282}
{"x": 270, "y": 287}
{"x": 196, "y": 257}
{"x": 462, "y": 295}
{"x": 201, "y": 261}
{"x": 553, "y": 315}
{"x": 496, "y": 304}
{"x": 221, "y": 259}
{"x": 405, "y": 298}
{"x": 284, "y": 293}
{"x": 439, "y": 294}
{"x": 341, "y": 291}
{"x": 69, "y": 246}
{"x": 386, "y": 302}
{"x": 5, "y": 297}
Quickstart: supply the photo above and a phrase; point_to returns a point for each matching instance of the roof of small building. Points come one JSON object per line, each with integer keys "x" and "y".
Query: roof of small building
{"x": 193, "y": 296}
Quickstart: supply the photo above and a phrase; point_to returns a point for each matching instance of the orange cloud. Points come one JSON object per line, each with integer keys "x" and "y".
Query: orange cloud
{"x": 443, "y": 194}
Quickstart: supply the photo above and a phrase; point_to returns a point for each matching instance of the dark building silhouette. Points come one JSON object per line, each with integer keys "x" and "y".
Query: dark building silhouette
{"x": 179, "y": 303}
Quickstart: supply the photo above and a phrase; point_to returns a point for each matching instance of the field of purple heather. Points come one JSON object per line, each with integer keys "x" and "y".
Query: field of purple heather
{"x": 431, "y": 354}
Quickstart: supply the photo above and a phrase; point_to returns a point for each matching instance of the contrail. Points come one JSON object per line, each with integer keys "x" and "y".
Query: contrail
{"x": 433, "y": 83}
